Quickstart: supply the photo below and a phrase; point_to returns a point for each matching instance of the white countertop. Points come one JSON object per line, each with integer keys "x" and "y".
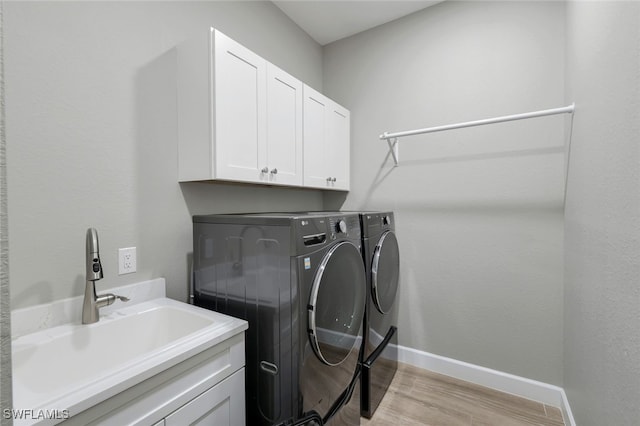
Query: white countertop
{"x": 45, "y": 381}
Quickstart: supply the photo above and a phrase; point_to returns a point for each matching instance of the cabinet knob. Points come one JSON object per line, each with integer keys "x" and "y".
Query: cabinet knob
{"x": 274, "y": 171}
{"x": 265, "y": 170}
{"x": 333, "y": 179}
{"x": 329, "y": 179}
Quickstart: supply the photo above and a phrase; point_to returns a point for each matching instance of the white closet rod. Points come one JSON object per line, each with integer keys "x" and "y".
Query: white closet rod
{"x": 563, "y": 110}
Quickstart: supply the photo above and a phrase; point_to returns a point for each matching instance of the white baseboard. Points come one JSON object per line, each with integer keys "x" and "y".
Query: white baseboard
{"x": 494, "y": 379}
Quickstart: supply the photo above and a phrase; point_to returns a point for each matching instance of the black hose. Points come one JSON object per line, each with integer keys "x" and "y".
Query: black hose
{"x": 304, "y": 420}
{"x": 381, "y": 347}
{"x": 344, "y": 397}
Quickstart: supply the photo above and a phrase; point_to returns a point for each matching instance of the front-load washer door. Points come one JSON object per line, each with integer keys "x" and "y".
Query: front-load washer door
{"x": 336, "y": 305}
{"x": 385, "y": 270}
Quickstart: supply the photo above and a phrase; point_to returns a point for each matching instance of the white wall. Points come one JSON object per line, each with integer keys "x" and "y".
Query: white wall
{"x": 91, "y": 136}
{"x": 602, "y": 224}
{"x": 478, "y": 211}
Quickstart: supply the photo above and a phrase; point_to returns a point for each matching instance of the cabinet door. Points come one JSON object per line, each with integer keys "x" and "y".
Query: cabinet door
{"x": 239, "y": 105}
{"x": 222, "y": 405}
{"x": 284, "y": 127}
{"x": 338, "y": 146}
{"x": 315, "y": 123}
{"x": 326, "y": 142}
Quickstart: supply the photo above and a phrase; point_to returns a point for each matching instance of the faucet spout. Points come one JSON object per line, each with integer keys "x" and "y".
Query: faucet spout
{"x": 94, "y": 266}
{"x": 92, "y": 302}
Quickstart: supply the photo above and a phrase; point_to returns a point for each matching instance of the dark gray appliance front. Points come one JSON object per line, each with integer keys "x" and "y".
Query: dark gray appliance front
{"x": 380, "y": 337}
{"x": 300, "y": 284}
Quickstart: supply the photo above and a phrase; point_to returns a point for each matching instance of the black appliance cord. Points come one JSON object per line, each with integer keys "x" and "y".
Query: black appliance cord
{"x": 345, "y": 397}
{"x": 305, "y": 419}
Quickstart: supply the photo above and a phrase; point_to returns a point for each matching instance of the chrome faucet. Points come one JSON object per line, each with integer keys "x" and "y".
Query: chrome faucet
{"x": 92, "y": 302}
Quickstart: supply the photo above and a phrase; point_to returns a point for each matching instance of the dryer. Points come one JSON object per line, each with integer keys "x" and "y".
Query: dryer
{"x": 381, "y": 257}
{"x": 299, "y": 280}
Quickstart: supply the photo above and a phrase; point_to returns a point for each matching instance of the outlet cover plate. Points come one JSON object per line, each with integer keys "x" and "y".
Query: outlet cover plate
{"x": 127, "y": 262}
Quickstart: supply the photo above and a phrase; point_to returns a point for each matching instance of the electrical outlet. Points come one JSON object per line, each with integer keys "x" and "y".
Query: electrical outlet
{"x": 126, "y": 260}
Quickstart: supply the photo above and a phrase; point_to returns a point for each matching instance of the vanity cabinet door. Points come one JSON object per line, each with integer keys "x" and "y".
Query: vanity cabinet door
{"x": 222, "y": 405}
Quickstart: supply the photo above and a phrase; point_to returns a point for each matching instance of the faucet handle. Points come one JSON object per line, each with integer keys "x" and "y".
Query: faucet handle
{"x": 107, "y": 299}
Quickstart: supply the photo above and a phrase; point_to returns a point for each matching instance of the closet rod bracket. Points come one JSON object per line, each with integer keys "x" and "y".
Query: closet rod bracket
{"x": 393, "y": 149}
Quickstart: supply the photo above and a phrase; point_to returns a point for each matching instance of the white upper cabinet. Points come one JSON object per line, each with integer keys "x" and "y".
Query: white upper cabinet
{"x": 241, "y": 118}
{"x": 284, "y": 127}
{"x": 326, "y": 142}
{"x": 239, "y": 111}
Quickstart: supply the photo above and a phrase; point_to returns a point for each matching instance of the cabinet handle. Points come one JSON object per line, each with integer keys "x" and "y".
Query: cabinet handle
{"x": 274, "y": 171}
{"x": 265, "y": 170}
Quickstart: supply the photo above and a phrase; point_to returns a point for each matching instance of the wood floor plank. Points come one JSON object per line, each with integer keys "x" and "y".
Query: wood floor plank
{"x": 421, "y": 397}
{"x": 553, "y": 413}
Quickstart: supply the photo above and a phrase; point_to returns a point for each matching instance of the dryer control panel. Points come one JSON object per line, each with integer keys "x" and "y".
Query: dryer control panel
{"x": 314, "y": 232}
{"x": 347, "y": 226}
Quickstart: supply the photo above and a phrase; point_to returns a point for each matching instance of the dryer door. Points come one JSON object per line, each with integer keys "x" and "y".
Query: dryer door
{"x": 385, "y": 270}
{"x": 336, "y": 305}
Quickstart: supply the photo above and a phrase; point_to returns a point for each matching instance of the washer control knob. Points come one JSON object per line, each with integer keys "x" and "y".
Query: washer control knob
{"x": 386, "y": 220}
{"x": 341, "y": 227}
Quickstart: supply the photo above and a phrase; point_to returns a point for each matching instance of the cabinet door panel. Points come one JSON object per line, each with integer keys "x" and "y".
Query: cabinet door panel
{"x": 284, "y": 127}
{"x": 315, "y": 169}
{"x": 338, "y": 145}
{"x": 240, "y": 105}
{"x": 222, "y": 405}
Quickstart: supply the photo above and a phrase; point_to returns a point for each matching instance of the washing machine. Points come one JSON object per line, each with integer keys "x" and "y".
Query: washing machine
{"x": 299, "y": 280}
{"x": 379, "y": 358}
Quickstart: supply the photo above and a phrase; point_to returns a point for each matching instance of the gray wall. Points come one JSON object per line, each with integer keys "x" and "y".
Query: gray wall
{"x": 91, "y": 141}
{"x": 478, "y": 211}
{"x": 5, "y": 308}
{"x": 602, "y": 219}
{"x": 91, "y": 136}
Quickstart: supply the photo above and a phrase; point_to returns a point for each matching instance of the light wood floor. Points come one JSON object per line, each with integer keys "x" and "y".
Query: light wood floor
{"x": 420, "y": 397}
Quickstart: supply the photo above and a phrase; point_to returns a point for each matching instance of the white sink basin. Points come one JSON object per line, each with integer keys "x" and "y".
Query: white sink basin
{"x": 73, "y": 367}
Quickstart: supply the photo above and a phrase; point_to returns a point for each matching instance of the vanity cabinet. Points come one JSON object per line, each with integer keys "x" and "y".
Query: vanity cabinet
{"x": 326, "y": 142}
{"x": 209, "y": 385}
{"x": 221, "y": 405}
{"x": 239, "y": 117}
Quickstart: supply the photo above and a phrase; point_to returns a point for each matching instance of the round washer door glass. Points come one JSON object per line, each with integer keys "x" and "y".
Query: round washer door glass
{"x": 336, "y": 305}
{"x": 385, "y": 271}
